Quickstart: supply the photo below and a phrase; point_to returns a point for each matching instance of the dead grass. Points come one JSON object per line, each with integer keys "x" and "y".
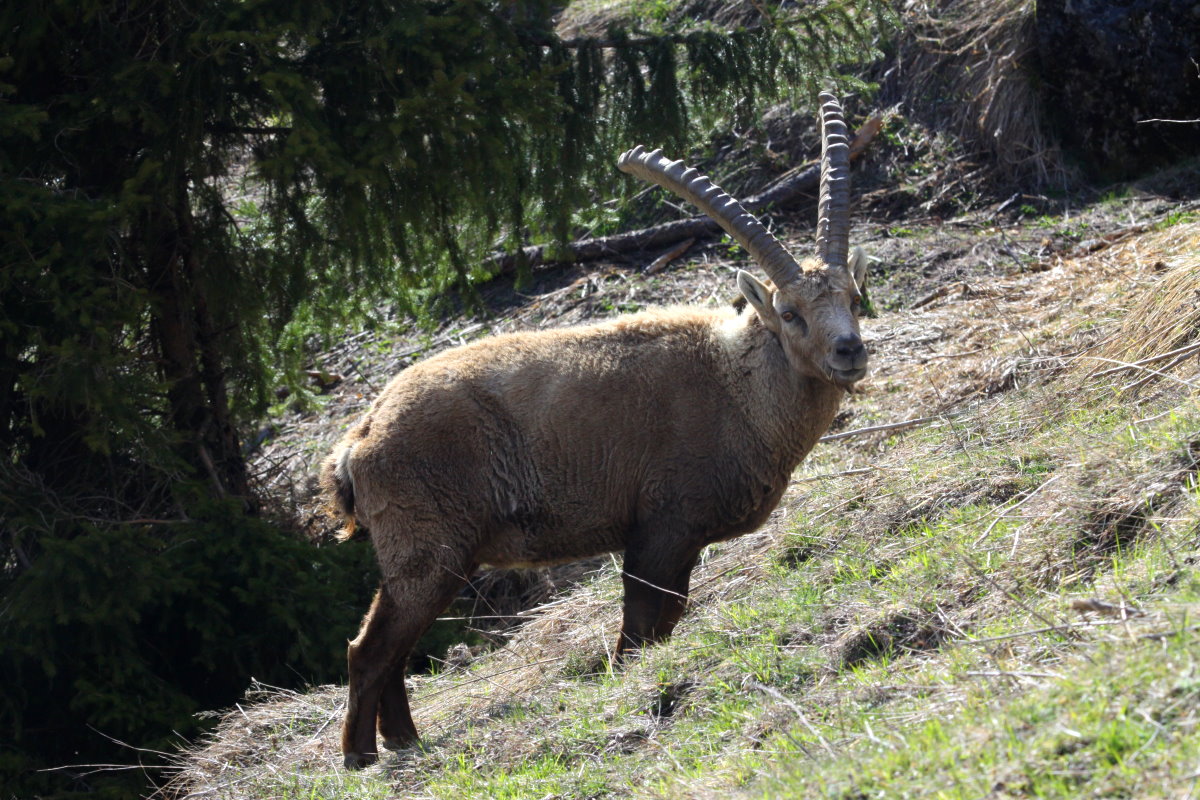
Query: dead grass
{"x": 965, "y": 64}
{"x": 1024, "y": 523}
{"x": 1055, "y": 316}
{"x": 1161, "y": 333}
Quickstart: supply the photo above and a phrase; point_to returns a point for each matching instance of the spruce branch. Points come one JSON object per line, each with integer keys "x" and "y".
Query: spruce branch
{"x": 783, "y": 191}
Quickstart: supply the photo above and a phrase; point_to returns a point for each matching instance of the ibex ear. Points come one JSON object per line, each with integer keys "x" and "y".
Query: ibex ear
{"x": 858, "y": 267}
{"x": 759, "y": 296}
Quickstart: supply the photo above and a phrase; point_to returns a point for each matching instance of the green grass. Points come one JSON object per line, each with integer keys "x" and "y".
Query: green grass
{"x": 854, "y": 667}
{"x": 907, "y": 633}
{"x": 1118, "y": 722}
{"x": 1177, "y": 217}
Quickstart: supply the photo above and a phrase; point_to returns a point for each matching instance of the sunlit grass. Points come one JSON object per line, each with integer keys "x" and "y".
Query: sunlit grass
{"x": 945, "y": 623}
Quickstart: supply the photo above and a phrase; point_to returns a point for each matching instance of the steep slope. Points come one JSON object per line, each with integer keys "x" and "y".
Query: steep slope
{"x": 998, "y": 602}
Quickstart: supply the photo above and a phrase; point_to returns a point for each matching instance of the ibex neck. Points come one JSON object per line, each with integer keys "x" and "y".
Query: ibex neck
{"x": 789, "y": 410}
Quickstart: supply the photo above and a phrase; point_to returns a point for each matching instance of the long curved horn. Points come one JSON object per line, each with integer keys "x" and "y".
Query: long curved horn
{"x": 739, "y": 223}
{"x": 833, "y": 208}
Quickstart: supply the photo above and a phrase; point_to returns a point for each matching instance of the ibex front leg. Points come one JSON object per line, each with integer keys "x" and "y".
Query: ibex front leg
{"x": 656, "y": 577}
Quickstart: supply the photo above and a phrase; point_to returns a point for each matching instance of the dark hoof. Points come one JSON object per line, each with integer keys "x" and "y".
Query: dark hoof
{"x": 360, "y": 760}
{"x": 400, "y": 742}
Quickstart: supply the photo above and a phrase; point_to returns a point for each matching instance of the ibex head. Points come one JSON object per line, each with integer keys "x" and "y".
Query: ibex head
{"x": 812, "y": 307}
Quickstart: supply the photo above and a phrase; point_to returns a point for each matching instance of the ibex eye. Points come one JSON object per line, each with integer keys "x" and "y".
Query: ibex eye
{"x": 792, "y": 318}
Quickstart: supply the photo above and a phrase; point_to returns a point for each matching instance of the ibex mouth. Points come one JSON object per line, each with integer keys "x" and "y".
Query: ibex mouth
{"x": 847, "y": 377}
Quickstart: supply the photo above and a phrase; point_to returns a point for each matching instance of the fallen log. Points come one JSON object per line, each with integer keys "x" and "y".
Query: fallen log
{"x": 660, "y": 263}
{"x": 797, "y": 182}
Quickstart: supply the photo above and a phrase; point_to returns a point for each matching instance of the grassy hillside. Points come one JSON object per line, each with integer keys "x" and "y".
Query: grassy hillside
{"x": 1000, "y": 602}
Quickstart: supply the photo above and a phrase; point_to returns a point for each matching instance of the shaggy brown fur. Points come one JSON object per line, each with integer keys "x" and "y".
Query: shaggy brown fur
{"x": 654, "y": 434}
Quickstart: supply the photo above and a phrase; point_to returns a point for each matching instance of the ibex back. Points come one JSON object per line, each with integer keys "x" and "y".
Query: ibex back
{"x": 655, "y": 434}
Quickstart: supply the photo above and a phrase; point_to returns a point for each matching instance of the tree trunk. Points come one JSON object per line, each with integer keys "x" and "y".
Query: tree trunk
{"x": 223, "y": 444}
{"x": 191, "y": 358}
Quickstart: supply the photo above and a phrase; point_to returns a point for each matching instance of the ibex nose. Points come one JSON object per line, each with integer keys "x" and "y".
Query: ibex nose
{"x": 849, "y": 349}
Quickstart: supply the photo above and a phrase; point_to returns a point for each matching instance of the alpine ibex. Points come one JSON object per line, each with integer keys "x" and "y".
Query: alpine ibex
{"x": 655, "y": 434}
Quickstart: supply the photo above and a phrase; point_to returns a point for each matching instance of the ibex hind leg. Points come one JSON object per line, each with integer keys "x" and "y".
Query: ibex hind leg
{"x": 369, "y": 659}
{"x": 396, "y": 727}
{"x": 656, "y": 581}
{"x": 395, "y": 721}
{"x": 378, "y": 659}
{"x": 375, "y": 659}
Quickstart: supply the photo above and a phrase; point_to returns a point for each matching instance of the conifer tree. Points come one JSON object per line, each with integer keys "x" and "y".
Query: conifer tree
{"x": 180, "y": 179}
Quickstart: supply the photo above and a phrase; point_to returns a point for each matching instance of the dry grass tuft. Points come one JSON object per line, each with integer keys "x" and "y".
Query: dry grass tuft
{"x": 889, "y": 631}
{"x": 963, "y": 63}
{"x": 591, "y": 18}
{"x": 1159, "y": 339}
{"x": 1062, "y": 316}
{"x": 271, "y": 727}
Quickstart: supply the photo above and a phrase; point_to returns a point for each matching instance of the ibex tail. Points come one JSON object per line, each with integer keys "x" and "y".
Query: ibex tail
{"x": 339, "y": 490}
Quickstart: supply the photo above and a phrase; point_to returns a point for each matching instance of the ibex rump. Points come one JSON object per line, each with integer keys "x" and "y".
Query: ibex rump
{"x": 655, "y": 434}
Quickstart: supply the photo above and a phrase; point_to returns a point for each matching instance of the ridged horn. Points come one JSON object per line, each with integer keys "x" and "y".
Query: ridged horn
{"x": 739, "y": 223}
{"x": 833, "y": 208}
